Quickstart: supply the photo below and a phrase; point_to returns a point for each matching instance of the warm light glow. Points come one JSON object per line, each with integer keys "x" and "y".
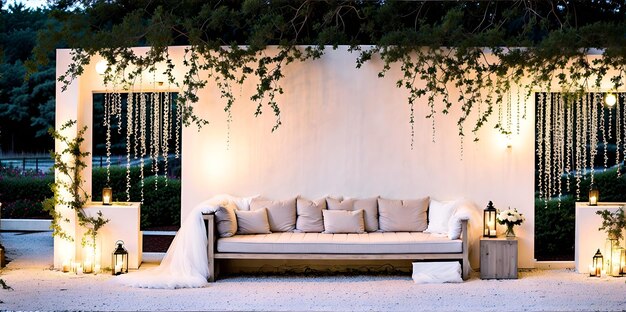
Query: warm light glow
{"x": 66, "y": 266}
{"x": 489, "y": 219}
{"x": 594, "y": 196}
{"x": 87, "y": 266}
{"x": 504, "y": 140}
{"x": 118, "y": 267}
{"x": 610, "y": 99}
{"x": 107, "y": 195}
{"x": 615, "y": 261}
{"x": 101, "y": 67}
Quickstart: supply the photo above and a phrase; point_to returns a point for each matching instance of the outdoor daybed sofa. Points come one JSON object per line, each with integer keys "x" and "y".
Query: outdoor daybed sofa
{"x": 334, "y": 229}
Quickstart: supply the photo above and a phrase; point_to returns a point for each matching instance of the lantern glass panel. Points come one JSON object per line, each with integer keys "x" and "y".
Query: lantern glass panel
{"x": 489, "y": 221}
{"x": 107, "y": 195}
{"x": 119, "y": 261}
{"x": 594, "y": 197}
{"x": 597, "y": 264}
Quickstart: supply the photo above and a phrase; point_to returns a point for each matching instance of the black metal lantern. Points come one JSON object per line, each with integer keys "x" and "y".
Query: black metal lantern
{"x": 594, "y": 196}
{"x": 489, "y": 221}
{"x": 596, "y": 264}
{"x": 107, "y": 195}
{"x": 119, "y": 262}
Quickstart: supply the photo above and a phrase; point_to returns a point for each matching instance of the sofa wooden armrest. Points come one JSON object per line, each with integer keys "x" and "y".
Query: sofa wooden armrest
{"x": 213, "y": 255}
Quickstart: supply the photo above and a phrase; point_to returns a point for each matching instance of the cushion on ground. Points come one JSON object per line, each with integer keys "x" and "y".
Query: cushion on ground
{"x": 437, "y": 272}
{"x": 368, "y": 243}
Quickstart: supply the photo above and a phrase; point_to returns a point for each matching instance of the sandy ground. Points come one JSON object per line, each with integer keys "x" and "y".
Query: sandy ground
{"x": 37, "y": 287}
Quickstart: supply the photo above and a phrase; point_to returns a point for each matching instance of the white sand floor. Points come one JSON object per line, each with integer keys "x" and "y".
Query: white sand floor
{"x": 37, "y": 287}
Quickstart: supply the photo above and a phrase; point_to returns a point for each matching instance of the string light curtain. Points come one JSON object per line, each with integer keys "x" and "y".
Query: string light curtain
{"x": 151, "y": 122}
{"x": 574, "y": 132}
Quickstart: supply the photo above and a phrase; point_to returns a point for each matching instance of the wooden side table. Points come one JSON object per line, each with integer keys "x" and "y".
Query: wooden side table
{"x": 498, "y": 258}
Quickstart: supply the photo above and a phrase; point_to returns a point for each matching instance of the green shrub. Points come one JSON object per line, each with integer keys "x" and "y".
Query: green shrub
{"x": 555, "y": 229}
{"x": 161, "y": 206}
{"x": 24, "y": 209}
{"x": 554, "y": 226}
{"x": 21, "y": 195}
{"x": 612, "y": 188}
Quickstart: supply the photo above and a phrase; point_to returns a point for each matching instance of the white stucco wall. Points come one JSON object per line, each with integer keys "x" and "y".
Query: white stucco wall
{"x": 345, "y": 132}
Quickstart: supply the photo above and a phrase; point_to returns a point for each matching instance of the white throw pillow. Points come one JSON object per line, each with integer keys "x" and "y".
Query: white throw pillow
{"x": 439, "y": 214}
{"x": 252, "y": 221}
{"x": 343, "y": 221}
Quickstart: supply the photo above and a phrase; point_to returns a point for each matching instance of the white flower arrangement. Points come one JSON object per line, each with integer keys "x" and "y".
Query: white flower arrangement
{"x": 510, "y": 217}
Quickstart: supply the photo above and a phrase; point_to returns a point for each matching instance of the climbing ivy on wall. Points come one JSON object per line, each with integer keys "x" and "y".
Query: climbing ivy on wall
{"x": 438, "y": 45}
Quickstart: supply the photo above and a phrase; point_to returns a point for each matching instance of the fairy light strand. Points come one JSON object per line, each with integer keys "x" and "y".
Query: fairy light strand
{"x": 129, "y": 134}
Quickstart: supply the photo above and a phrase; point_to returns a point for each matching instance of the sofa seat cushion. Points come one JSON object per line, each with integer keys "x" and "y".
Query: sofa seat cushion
{"x": 318, "y": 243}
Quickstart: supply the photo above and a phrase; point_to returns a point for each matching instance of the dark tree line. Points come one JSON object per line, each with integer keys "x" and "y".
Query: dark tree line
{"x": 26, "y": 100}
{"x": 556, "y": 28}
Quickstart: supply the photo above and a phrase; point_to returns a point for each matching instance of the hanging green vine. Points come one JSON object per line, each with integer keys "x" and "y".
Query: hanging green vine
{"x": 68, "y": 164}
{"x": 439, "y": 46}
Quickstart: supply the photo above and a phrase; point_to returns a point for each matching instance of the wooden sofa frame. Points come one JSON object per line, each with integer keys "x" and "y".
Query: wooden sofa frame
{"x": 214, "y": 256}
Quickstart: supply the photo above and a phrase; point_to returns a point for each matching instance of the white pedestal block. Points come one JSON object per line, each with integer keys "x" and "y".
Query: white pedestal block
{"x": 124, "y": 220}
{"x": 588, "y": 238}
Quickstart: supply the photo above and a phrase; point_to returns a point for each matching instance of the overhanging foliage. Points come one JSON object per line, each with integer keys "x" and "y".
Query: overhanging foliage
{"x": 441, "y": 44}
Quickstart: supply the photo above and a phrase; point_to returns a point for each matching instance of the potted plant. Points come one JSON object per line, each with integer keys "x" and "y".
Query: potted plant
{"x": 613, "y": 223}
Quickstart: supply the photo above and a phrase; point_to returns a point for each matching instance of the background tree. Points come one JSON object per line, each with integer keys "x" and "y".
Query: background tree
{"x": 26, "y": 101}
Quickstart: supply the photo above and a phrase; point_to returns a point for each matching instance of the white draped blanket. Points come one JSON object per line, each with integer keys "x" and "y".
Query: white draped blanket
{"x": 185, "y": 265}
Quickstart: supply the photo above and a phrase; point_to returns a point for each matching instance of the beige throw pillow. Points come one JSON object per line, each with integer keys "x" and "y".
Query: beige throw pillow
{"x": 252, "y": 221}
{"x": 368, "y": 205}
{"x": 370, "y": 212}
{"x": 281, "y": 214}
{"x": 343, "y": 221}
{"x": 225, "y": 219}
{"x": 340, "y": 204}
{"x": 403, "y": 215}
{"x": 310, "y": 215}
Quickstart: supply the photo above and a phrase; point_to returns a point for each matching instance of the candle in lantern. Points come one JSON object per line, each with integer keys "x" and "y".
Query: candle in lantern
{"x": 88, "y": 266}
{"x": 106, "y": 199}
{"x": 73, "y": 266}
{"x": 615, "y": 268}
{"x": 66, "y": 266}
{"x": 492, "y": 232}
{"x": 118, "y": 268}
